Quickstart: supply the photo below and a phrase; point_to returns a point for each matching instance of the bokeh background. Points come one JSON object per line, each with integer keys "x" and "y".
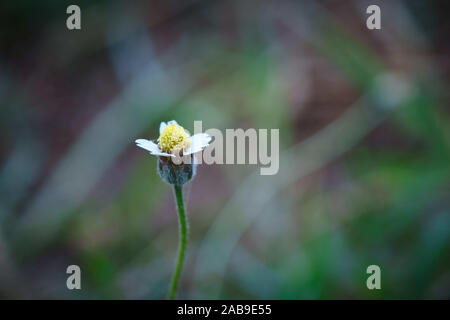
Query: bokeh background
{"x": 364, "y": 148}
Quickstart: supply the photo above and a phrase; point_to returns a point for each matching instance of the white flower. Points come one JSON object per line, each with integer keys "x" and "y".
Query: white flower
{"x": 174, "y": 139}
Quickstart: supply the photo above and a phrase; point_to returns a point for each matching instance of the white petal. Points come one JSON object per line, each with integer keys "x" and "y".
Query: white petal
{"x": 199, "y": 142}
{"x": 173, "y": 122}
{"x": 161, "y": 127}
{"x": 151, "y": 147}
{"x": 164, "y": 154}
{"x": 147, "y": 145}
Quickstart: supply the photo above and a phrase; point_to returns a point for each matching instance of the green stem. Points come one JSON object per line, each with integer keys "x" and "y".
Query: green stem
{"x": 183, "y": 226}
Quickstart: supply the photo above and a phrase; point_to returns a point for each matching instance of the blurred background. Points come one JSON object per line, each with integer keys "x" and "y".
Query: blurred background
{"x": 364, "y": 148}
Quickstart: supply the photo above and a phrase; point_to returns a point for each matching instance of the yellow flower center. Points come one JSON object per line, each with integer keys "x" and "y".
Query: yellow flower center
{"x": 173, "y": 139}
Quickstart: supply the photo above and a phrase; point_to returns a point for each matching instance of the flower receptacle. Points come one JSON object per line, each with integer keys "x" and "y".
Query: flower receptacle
{"x": 173, "y": 173}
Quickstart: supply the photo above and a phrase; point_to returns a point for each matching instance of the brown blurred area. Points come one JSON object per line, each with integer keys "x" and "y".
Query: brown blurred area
{"x": 364, "y": 148}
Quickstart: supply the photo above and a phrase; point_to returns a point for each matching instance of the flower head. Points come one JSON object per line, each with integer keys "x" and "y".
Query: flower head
{"x": 174, "y": 140}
